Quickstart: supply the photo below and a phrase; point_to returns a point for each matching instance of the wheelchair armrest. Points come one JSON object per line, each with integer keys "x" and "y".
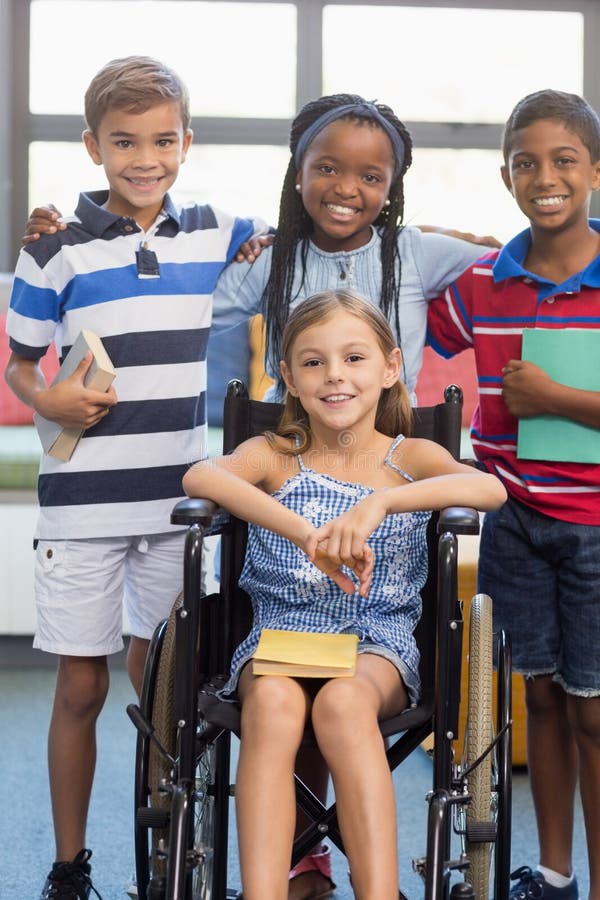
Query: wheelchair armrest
{"x": 458, "y": 520}
{"x": 196, "y": 511}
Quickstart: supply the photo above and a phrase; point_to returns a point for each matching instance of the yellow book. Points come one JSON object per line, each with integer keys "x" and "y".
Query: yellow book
{"x": 305, "y": 654}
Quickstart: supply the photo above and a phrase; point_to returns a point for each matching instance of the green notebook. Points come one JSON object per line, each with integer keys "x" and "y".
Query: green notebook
{"x": 570, "y": 356}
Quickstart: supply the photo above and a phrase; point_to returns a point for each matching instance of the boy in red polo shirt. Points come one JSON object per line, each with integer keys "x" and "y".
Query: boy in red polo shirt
{"x": 540, "y": 553}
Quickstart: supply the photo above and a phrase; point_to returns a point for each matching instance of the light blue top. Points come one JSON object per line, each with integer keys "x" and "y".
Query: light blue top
{"x": 430, "y": 262}
{"x": 289, "y": 592}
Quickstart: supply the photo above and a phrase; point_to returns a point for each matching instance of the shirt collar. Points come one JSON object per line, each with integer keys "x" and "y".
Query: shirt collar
{"x": 509, "y": 264}
{"x": 97, "y": 220}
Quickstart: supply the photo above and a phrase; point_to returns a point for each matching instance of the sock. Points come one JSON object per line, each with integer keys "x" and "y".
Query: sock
{"x": 555, "y": 878}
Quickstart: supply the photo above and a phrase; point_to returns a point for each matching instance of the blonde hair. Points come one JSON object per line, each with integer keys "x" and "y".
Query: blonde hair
{"x": 394, "y": 413}
{"x": 135, "y": 83}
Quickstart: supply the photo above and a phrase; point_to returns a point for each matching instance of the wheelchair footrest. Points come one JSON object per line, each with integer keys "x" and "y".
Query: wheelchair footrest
{"x": 481, "y": 832}
{"x": 150, "y": 817}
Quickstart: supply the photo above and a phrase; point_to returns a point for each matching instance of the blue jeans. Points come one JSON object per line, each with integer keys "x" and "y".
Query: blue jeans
{"x": 543, "y": 575}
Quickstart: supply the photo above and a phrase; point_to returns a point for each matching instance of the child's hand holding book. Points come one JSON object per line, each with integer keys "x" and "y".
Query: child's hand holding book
{"x": 78, "y": 398}
{"x": 526, "y": 388}
{"x": 71, "y": 404}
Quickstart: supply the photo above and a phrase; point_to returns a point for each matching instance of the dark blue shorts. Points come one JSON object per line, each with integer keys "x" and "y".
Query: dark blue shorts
{"x": 543, "y": 575}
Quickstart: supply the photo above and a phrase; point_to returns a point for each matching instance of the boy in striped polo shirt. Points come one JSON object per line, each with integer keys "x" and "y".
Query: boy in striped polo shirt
{"x": 540, "y": 554}
{"x": 140, "y": 273}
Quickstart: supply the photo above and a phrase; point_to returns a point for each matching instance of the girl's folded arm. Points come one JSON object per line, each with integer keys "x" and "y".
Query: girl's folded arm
{"x": 441, "y": 481}
{"x": 239, "y": 483}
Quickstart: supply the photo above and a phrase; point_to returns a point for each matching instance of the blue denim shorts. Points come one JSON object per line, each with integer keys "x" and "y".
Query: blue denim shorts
{"x": 410, "y": 679}
{"x": 543, "y": 575}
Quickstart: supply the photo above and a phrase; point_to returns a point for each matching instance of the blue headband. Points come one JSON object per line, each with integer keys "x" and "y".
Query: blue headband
{"x": 364, "y": 110}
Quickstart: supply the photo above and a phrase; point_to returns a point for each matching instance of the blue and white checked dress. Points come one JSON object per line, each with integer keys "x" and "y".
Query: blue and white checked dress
{"x": 289, "y": 592}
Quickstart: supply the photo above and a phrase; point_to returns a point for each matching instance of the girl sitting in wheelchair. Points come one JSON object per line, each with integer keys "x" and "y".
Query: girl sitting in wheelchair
{"x": 338, "y": 502}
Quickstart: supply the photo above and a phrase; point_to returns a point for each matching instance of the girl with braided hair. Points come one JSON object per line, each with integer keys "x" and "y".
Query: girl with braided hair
{"x": 376, "y": 121}
{"x": 341, "y": 227}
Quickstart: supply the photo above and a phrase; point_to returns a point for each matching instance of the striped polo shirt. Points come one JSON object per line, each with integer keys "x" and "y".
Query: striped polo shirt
{"x": 487, "y": 308}
{"x": 149, "y": 298}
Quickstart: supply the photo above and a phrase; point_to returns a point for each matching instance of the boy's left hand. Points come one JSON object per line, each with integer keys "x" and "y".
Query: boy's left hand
{"x": 524, "y": 387}
{"x": 250, "y": 250}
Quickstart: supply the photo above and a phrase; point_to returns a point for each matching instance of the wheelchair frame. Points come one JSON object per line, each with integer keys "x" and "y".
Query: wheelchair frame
{"x": 182, "y": 782}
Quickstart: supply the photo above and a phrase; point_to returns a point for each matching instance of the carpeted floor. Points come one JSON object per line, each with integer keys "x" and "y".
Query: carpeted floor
{"x": 26, "y": 841}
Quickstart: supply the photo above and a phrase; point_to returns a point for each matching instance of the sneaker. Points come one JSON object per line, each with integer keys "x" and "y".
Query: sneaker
{"x": 132, "y": 890}
{"x": 70, "y": 880}
{"x": 532, "y": 884}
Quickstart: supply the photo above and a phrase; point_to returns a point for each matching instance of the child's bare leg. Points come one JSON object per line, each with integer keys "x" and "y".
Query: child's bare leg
{"x": 553, "y": 764}
{"x": 136, "y": 660}
{"x": 345, "y": 719}
{"x": 274, "y": 713}
{"x": 312, "y": 770}
{"x": 81, "y": 689}
{"x": 584, "y": 715}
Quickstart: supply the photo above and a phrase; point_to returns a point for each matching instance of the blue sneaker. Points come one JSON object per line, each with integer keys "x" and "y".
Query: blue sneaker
{"x": 531, "y": 885}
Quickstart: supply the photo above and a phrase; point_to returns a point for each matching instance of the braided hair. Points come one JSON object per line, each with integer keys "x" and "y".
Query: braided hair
{"x": 295, "y": 225}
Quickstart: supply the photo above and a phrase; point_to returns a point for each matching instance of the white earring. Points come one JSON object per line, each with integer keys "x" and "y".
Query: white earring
{"x": 299, "y": 188}
{"x": 387, "y": 202}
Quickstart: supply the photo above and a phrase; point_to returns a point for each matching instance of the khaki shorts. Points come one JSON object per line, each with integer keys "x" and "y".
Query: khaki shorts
{"x": 81, "y": 588}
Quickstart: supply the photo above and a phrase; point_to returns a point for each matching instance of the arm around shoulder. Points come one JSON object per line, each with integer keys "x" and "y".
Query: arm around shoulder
{"x": 239, "y": 291}
{"x": 440, "y": 259}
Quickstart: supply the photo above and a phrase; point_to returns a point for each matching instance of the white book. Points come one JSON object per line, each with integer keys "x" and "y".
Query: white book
{"x": 56, "y": 440}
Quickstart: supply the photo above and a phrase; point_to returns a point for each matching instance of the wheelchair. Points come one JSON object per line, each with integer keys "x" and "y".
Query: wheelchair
{"x": 182, "y": 778}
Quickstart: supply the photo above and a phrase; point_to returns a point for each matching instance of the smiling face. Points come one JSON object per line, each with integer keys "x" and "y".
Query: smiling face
{"x": 345, "y": 176}
{"x": 141, "y": 154}
{"x": 551, "y": 175}
{"x": 337, "y": 370}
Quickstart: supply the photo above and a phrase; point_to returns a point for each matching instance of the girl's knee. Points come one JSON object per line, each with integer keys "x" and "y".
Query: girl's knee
{"x": 276, "y": 704}
{"x": 343, "y": 708}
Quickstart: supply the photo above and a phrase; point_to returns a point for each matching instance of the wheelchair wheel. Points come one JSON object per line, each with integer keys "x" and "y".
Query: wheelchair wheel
{"x": 199, "y": 883}
{"x": 479, "y": 730}
{"x": 163, "y": 722}
{"x": 204, "y": 824}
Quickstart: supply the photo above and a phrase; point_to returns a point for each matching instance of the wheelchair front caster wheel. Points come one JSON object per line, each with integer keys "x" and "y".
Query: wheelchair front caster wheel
{"x": 462, "y": 890}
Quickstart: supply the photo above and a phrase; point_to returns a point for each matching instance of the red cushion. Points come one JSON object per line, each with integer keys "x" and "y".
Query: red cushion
{"x": 437, "y": 372}
{"x": 12, "y": 411}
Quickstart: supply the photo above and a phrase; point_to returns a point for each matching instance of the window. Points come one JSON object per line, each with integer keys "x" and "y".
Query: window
{"x": 451, "y": 73}
{"x": 450, "y": 65}
{"x": 224, "y": 52}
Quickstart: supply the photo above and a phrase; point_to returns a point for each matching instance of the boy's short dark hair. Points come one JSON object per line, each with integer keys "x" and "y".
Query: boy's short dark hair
{"x": 573, "y": 111}
{"x": 134, "y": 83}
